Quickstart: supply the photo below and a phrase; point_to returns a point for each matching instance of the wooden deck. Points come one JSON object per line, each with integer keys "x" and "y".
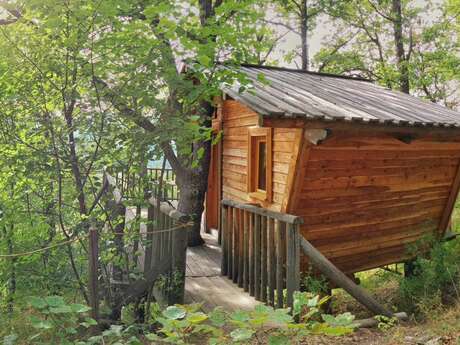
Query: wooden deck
{"x": 204, "y": 284}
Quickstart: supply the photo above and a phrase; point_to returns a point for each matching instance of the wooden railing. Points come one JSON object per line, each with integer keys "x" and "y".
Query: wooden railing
{"x": 166, "y": 244}
{"x": 130, "y": 184}
{"x": 261, "y": 251}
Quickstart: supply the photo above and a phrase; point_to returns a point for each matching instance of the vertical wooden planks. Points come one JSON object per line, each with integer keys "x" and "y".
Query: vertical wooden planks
{"x": 263, "y": 259}
{"x": 251, "y": 254}
{"x": 271, "y": 262}
{"x": 149, "y": 239}
{"x": 292, "y": 262}
{"x": 235, "y": 225}
{"x": 230, "y": 242}
{"x": 246, "y": 251}
{"x": 257, "y": 252}
{"x": 280, "y": 248}
{"x": 240, "y": 247}
{"x": 224, "y": 238}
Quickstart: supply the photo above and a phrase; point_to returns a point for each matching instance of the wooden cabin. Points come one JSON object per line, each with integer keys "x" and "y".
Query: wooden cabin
{"x": 369, "y": 170}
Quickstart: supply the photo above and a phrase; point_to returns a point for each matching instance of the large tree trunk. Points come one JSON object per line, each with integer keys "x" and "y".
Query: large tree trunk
{"x": 404, "y": 83}
{"x": 193, "y": 184}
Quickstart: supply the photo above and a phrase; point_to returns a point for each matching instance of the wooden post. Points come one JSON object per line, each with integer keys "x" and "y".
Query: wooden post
{"x": 230, "y": 242}
{"x": 292, "y": 262}
{"x": 251, "y": 254}
{"x": 240, "y": 247}
{"x": 93, "y": 264}
{"x": 257, "y": 289}
{"x": 224, "y": 236}
{"x": 340, "y": 279}
{"x": 271, "y": 262}
{"x": 279, "y": 263}
{"x": 263, "y": 260}
{"x": 246, "y": 251}
{"x": 149, "y": 239}
{"x": 235, "y": 245}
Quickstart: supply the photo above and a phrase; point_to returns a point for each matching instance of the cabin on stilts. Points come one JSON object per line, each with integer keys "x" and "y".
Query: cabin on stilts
{"x": 357, "y": 170}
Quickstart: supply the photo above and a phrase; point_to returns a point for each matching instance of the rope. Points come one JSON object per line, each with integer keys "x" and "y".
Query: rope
{"x": 41, "y": 249}
{"x": 16, "y": 255}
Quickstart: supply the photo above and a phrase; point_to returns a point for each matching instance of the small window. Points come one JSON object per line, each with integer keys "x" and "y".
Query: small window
{"x": 260, "y": 163}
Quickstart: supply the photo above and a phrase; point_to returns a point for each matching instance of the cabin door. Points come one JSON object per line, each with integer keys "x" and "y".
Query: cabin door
{"x": 213, "y": 194}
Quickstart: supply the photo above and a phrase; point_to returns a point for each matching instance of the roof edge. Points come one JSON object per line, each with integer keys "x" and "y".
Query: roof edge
{"x": 277, "y": 68}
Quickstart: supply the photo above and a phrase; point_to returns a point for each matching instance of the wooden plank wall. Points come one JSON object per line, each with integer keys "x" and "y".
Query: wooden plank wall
{"x": 236, "y": 120}
{"x": 364, "y": 198}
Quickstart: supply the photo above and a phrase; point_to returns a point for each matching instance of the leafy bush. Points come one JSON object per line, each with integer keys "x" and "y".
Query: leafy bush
{"x": 59, "y": 323}
{"x": 185, "y": 324}
{"x": 435, "y": 280}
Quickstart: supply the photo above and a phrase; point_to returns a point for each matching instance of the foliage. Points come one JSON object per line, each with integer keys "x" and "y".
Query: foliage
{"x": 436, "y": 279}
{"x": 185, "y": 324}
{"x": 365, "y": 43}
{"x": 58, "y": 322}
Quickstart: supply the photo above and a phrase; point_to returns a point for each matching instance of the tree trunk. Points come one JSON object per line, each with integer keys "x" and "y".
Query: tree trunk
{"x": 193, "y": 188}
{"x": 404, "y": 83}
{"x": 304, "y": 34}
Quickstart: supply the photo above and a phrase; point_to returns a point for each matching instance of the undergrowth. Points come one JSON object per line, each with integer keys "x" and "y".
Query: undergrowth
{"x": 435, "y": 281}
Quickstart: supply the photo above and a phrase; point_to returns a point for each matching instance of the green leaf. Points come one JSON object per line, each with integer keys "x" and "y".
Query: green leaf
{"x": 63, "y": 309}
{"x": 217, "y": 317}
{"x": 174, "y": 312}
{"x": 79, "y": 308}
{"x": 197, "y": 317}
{"x": 10, "y": 339}
{"x": 55, "y": 301}
{"x": 242, "y": 334}
{"x": 278, "y": 340}
{"x": 240, "y": 316}
{"x": 39, "y": 323}
{"x": 37, "y": 302}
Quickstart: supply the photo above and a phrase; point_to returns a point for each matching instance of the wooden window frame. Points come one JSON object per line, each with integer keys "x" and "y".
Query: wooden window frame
{"x": 255, "y": 136}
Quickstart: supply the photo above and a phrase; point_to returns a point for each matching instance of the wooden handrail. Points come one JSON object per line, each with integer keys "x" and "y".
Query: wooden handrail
{"x": 283, "y": 217}
{"x": 261, "y": 251}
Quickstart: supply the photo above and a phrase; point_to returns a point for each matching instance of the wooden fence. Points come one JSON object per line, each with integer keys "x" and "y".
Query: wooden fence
{"x": 166, "y": 244}
{"x": 130, "y": 184}
{"x": 261, "y": 251}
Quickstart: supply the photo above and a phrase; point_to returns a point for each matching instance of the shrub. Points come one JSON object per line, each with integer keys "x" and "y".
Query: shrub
{"x": 59, "y": 323}
{"x": 435, "y": 280}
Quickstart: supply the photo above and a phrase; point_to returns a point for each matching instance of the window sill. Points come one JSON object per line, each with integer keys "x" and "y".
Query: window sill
{"x": 259, "y": 195}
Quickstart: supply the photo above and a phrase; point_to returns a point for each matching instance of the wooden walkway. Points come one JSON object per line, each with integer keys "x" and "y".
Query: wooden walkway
{"x": 204, "y": 284}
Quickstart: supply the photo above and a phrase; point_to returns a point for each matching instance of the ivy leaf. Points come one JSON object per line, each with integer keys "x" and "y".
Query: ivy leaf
{"x": 39, "y": 323}
{"x": 278, "y": 340}
{"x": 79, "y": 308}
{"x": 55, "y": 301}
{"x": 174, "y": 313}
{"x": 10, "y": 339}
{"x": 197, "y": 317}
{"x": 242, "y": 334}
{"x": 217, "y": 317}
{"x": 63, "y": 309}
{"x": 37, "y": 302}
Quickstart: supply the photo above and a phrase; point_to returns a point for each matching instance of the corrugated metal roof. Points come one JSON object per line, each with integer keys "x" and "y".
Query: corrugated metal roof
{"x": 294, "y": 93}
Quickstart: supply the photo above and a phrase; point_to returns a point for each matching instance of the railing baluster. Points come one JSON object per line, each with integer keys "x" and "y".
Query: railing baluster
{"x": 240, "y": 247}
{"x": 279, "y": 264}
{"x": 235, "y": 224}
{"x": 230, "y": 242}
{"x": 263, "y": 260}
{"x": 257, "y": 256}
{"x": 224, "y": 267}
{"x": 292, "y": 262}
{"x": 251, "y": 254}
{"x": 271, "y": 262}
{"x": 246, "y": 251}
